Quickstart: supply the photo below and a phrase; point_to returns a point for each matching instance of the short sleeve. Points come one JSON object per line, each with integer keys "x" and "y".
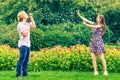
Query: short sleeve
{"x": 21, "y": 28}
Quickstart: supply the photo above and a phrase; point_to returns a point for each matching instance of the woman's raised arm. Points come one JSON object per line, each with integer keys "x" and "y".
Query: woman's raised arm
{"x": 83, "y": 18}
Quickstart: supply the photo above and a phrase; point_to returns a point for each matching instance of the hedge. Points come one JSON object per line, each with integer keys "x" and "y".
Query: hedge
{"x": 75, "y": 57}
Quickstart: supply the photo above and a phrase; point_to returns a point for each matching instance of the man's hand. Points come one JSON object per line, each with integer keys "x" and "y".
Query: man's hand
{"x": 30, "y": 16}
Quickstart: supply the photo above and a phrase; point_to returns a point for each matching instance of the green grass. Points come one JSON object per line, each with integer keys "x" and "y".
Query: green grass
{"x": 59, "y": 75}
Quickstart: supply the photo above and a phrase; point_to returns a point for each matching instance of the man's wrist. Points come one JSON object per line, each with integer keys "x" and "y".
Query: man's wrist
{"x": 31, "y": 19}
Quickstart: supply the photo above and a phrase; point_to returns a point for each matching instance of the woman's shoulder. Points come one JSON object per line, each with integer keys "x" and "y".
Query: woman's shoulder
{"x": 102, "y": 25}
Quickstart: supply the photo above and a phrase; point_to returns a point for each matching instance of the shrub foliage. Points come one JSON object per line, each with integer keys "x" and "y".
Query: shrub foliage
{"x": 75, "y": 57}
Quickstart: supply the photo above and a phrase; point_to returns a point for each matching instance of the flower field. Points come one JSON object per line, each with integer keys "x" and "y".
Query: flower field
{"x": 75, "y": 57}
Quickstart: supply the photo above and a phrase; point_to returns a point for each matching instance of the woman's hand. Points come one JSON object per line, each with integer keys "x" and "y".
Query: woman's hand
{"x": 83, "y": 18}
{"x": 78, "y": 13}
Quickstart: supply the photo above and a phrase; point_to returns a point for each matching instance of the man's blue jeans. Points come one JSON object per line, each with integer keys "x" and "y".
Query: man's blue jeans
{"x": 23, "y": 61}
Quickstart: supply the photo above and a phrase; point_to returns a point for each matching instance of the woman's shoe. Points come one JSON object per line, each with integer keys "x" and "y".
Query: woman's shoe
{"x": 105, "y": 73}
{"x": 96, "y": 73}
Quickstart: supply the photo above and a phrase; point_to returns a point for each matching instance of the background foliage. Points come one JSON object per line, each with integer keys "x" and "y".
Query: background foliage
{"x": 58, "y": 20}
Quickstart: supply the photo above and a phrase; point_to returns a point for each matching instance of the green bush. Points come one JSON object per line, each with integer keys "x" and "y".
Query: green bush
{"x": 57, "y": 14}
{"x": 66, "y": 34}
{"x": 9, "y": 35}
{"x": 75, "y": 57}
{"x": 36, "y": 37}
{"x": 107, "y": 36}
{"x": 56, "y": 37}
{"x": 69, "y": 34}
{"x": 113, "y": 20}
{"x": 80, "y": 33}
{"x": 13, "y": 38}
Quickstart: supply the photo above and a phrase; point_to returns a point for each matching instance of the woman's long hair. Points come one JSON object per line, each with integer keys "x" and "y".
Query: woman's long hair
{"x": 102, "y": 22}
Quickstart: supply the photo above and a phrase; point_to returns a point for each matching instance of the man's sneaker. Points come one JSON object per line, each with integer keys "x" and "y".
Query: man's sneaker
{"x": 96, "y": 73}
{"x": 19, "y": 77}
{"x": 105, "y": 73}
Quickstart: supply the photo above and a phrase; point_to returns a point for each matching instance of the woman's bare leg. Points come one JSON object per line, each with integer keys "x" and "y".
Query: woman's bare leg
{"x": 94, "y": 63}
{"x": 103, "y": 63}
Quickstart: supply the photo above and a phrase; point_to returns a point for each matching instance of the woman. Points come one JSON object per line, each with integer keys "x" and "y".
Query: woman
{"x": 24, "y": 41}
{"x": 97, "y": 45}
